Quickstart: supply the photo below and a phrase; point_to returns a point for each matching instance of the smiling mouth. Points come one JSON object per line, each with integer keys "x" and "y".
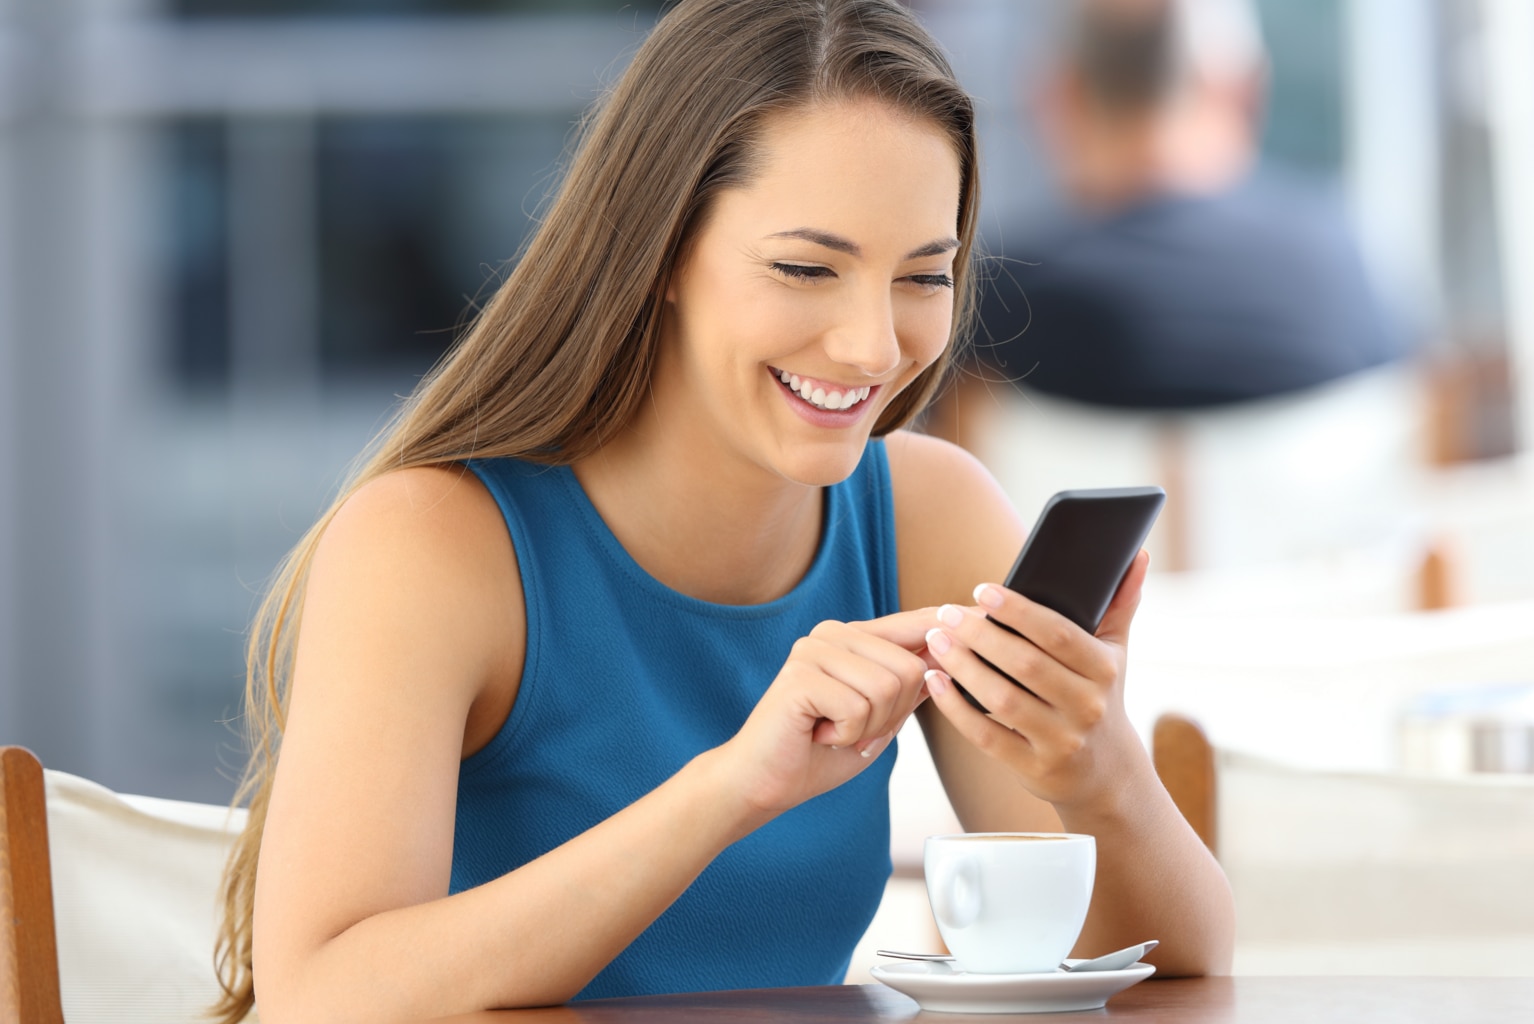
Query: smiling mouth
{"x": 817, "y": 394}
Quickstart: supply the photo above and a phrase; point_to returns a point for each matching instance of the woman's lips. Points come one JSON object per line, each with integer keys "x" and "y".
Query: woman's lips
{"x": 822, "y": 402}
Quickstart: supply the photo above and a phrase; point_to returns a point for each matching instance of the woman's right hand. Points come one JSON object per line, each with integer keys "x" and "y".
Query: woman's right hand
{"x": 843, "y": 693}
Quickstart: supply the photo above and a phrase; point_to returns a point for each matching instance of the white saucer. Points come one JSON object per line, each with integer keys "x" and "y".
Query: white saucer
{"x": 939, "y": 987}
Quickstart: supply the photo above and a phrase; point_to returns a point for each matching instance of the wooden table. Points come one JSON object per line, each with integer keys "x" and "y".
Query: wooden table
{"x": 1320, "y": 1000}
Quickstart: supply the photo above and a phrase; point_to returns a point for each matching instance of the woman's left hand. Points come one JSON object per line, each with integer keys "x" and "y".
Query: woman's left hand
{"x": 1064, "y": 730}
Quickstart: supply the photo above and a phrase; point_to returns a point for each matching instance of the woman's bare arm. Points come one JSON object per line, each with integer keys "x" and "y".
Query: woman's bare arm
{"x": 1077, "y": 765}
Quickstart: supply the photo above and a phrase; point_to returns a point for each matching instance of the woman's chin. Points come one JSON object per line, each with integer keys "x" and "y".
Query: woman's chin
{"x": 823, "y": 464}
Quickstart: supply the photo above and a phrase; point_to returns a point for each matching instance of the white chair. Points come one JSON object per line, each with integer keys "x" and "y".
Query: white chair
{"x": 112, "y": 900}
{"x": 1318, "y": 691}
{"x": 1361, "y": 872}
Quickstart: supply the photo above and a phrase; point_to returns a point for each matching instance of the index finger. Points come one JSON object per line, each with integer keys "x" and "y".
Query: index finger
{"x": 908, "y": 628}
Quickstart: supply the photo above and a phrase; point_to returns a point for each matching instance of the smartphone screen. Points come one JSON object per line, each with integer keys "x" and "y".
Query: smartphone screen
{"x": 1079, "y": 550}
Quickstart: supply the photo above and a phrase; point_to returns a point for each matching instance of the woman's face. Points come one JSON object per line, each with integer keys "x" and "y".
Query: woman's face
{"x": 808, "y": 299}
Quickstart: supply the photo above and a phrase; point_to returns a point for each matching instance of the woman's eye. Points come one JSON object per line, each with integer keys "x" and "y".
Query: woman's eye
{"x": 801, "y": 272}
{"x": 932, "y": 281}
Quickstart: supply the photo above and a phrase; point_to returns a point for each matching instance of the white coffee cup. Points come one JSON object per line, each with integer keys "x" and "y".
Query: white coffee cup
{"x": 1010, "y": 902}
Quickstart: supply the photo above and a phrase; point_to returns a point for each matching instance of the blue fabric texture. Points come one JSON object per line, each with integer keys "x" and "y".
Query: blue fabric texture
{"x": 625, "y": 681}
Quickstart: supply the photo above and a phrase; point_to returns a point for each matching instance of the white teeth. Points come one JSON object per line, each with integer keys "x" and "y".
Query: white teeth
{"x": 819, "y": 396}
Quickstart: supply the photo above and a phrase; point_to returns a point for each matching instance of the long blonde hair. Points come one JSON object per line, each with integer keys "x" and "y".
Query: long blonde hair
{"x": 579, "y": 314}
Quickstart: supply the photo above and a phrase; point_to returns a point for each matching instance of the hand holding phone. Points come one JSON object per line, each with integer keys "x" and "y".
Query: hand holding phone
{"x": 1079, "y": 550}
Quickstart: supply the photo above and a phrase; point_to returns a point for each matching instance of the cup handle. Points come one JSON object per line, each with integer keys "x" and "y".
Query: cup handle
{"x": 956, "y": 895}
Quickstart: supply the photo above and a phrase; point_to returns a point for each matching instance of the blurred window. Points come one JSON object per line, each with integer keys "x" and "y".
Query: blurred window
{"x": 197, "y": 276}
{"x": 414, "y": 218}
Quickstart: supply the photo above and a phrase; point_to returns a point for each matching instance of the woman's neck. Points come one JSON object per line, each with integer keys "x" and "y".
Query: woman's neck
{"x": 712, "y": 527}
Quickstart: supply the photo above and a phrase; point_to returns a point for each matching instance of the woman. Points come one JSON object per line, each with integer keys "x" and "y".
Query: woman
{"x": 599, "y": 653}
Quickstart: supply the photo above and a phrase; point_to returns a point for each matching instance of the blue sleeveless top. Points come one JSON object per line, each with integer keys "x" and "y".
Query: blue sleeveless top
{"x": 625, "y": 681}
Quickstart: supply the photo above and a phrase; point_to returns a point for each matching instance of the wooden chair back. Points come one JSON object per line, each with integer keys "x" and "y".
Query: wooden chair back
{"x": 29, "y": 962}
{"x": 1184, "y": 761}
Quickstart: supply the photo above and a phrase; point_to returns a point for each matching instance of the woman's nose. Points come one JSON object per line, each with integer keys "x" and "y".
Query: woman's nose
{"x": 866, "y": 338}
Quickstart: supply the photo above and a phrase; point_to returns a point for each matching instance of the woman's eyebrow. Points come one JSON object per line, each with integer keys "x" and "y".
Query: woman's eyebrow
{"x": 824, "y": 238}
{"x": 851, "y": 248}
{"x": 933, "y": 248}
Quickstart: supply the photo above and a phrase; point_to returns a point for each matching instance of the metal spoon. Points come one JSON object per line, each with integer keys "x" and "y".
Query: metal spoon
{"x": 1115, "y": 961}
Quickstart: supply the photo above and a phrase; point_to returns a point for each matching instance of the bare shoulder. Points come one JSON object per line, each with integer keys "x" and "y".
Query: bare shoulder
{"x": 954, "y": 525}
{"x": 419, "y": 520}
{"x": 417, "y": 568}
{"x": 429, "y": 503}
{"x": 432, "y": 533}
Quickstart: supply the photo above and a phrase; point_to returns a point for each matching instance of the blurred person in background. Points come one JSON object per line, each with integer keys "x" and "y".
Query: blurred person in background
{"x": 586, "y": 684}
{"x": 1190, "y": 317}
{"x": 1182, "y": 275}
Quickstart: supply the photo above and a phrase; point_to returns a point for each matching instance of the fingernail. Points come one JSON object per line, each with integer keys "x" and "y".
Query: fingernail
{"x": 987, "y": 595}
{"x": 878, "y": 744}
{"x": 951, "y": 615}
{"x": 938, "y": 642}
{"x": 937, "y": 682}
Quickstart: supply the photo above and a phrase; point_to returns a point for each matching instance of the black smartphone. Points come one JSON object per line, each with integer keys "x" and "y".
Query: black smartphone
{"x": 1079, "y": 550}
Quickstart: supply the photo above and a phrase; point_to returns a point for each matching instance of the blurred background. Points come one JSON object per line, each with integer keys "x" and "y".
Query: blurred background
{"x": 232, "y": 232}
